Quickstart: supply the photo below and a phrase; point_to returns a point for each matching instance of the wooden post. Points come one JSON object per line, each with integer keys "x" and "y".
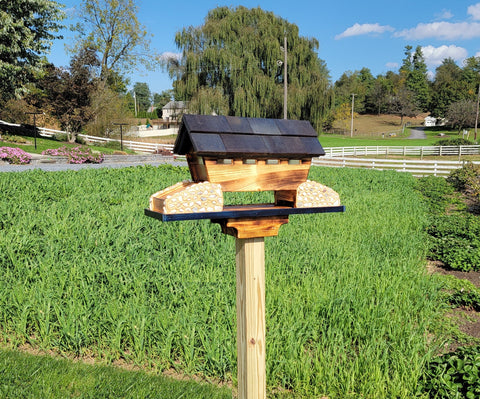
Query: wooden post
{"x": 250, "y": 260}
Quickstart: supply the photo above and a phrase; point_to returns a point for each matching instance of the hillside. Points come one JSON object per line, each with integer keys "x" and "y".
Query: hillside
{"x": 375, "y": 125}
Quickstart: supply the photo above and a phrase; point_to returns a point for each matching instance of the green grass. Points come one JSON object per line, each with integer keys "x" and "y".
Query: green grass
{"x": 38, "y": 377}
{"x": 331, "y": 140}
{"x": 349, "y": 308}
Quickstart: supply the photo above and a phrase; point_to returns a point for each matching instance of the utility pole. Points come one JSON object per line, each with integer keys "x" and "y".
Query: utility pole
{"x": 135, "y": 102}
{"x": 476, "y": 118}
{"x": 351, "y": 123}
{"x": 285, "y": 78}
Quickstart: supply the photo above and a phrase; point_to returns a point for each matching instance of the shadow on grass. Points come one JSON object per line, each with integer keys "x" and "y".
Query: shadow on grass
{"x": 32, "y": 376}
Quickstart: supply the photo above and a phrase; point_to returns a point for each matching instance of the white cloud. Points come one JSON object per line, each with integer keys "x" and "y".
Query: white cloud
{"x": 167, "y": 55}
{"x": 474, "y": 11}
{"x": 442, "y": 30}
{"x": 444, "y": 14}
{"x": 364, "y": 29}
{"x": 392, "y": 65}
{"x": 435, "y": 55}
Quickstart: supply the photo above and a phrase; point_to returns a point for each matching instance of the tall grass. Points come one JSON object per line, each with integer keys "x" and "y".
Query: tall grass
{"x": 349, "y": 307}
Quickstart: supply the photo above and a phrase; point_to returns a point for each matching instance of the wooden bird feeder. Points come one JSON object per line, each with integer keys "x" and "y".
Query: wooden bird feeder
{"x": 224, "y": 154}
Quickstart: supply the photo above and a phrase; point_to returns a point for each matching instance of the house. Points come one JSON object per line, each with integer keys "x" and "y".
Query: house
{"x": 173, "y": 110}
{"x": 430, "y": 121}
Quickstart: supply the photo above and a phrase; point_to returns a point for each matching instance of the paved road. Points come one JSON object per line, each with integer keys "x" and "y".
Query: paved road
{"x": 60, "y": 167}
{"x": 417, "y": 133}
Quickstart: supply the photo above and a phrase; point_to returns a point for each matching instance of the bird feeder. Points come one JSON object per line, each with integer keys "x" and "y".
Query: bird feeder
{"x": 232, "y": 154}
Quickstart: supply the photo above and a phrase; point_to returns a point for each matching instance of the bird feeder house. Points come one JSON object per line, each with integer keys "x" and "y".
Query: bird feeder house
{"x": 226, "y": 153}
{"x": 230, "y": 154}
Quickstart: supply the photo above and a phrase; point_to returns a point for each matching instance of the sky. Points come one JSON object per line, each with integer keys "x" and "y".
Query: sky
{"x": 351, "y": 34}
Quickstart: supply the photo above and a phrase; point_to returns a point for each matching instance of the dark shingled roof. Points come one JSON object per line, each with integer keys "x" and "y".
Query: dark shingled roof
{"x": 231, "y": 136}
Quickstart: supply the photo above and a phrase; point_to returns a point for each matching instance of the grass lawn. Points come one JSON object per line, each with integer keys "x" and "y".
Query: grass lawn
{"x": 40, "y": 376}
{"x": 336, "y": 140}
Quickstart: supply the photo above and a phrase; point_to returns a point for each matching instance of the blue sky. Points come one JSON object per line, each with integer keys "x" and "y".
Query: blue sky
{"x": 352, "y": 34}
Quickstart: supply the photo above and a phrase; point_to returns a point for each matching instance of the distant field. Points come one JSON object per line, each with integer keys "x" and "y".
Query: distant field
{"x": 336, "y": 140}
{"x": 375, "y": 125}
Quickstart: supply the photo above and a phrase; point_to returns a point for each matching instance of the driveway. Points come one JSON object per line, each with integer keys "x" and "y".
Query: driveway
{"x": 417, "y": 133}
{"x": 109, "y": 162}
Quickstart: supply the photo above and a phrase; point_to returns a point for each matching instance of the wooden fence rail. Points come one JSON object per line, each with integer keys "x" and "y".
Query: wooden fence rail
{"x": 133, "y": 145}
{"x": 403, "y": 151}
{"x": 415, "y": 167}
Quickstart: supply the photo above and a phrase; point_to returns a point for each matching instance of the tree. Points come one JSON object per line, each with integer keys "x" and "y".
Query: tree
{"x": 461, "y": 114}
{"x": 27, "y": 30}
{"x": 471, "y": 71}
{"x": 143, "y": 96}
{"x": 112, "y": 28}
{"x": 106, "y": 106}
{"x": 377, "y": 98}
{"x": 343, "y": 115}
{"x": 233, "y": 65}
{"x": 359, "y": 83}
{"x": 159, "y": 100}
{"x": 414, "y": 69}
{"x": 448, "y": 87}
{"x": 402, "y": 103}
{"x": 67, "y": 91}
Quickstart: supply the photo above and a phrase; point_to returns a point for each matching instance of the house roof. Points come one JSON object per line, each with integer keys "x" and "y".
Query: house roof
{"x": 232, "y": 136}
{"x": 174, "y": 105}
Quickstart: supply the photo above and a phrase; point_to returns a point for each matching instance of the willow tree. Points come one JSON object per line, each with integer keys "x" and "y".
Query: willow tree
{"x": 232, "y": 65}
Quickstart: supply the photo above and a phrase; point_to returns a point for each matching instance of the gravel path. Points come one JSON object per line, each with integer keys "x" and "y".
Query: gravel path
{"x": 417, "y": 133}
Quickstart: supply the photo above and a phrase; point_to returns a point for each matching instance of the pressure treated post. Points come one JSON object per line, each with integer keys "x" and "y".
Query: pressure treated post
{"x": 250, "y": 260}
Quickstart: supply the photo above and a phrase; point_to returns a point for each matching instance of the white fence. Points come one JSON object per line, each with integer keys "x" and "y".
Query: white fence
{"x": 415, "y": 167}
{"x": 133, "y": 145}
{"x": 403, "y": 151}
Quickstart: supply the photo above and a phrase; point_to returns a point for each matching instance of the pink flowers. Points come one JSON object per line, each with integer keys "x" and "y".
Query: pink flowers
{"x": 76, "y": 154}
{"x": 15, "y": 155}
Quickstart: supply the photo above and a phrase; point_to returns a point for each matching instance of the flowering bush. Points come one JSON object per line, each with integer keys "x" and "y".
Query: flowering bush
{"x": 75, "y": 154}
{"x": 14, "y": 155}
